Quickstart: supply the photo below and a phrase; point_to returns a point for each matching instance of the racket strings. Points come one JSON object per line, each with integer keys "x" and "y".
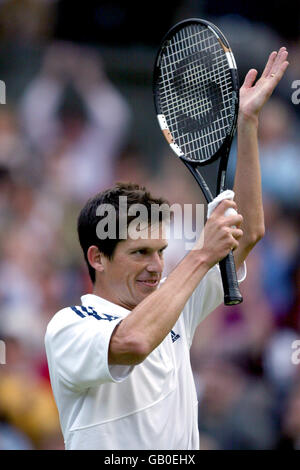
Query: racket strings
{"x": 186, "y": 39}
{"x": 199, "y": 74}
{"x": 196, "y": 91}
{"x": 168, "y": 88}
{"x": 227, "y": 93}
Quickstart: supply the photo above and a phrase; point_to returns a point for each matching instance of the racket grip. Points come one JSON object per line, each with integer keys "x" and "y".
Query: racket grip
{"x": 232, "y": 295}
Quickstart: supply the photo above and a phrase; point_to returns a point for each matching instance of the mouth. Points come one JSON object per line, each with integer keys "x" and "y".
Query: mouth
{"x": 149, "y": 282}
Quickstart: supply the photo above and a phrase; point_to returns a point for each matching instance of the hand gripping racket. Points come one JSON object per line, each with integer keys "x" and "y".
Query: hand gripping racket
{"x": 196, "y": 96}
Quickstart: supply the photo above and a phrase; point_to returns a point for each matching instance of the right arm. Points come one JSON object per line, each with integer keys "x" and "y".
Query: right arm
{"x": 150, "y": 321}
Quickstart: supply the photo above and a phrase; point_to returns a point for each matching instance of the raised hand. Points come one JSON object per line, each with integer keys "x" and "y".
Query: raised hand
{"x": 254, "y": 96}
{"x": 221, "y": 233}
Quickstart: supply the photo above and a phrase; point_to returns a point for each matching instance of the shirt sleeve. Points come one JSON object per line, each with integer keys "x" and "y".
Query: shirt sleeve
{"x": 207, "y": 296}
{"x": 77, "y": 350}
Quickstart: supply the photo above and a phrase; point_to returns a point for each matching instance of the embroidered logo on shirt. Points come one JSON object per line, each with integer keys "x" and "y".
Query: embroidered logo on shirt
{"x": 90, "y": 311}
{"x": 174, "y": 336}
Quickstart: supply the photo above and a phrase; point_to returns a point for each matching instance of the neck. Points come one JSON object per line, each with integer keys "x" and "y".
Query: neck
{"x": 104, "y": 294}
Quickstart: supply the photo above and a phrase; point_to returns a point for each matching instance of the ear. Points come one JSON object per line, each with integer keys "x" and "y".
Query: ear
{"x": 94, "y": 257}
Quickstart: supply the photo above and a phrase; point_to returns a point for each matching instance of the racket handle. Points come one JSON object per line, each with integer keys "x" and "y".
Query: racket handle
{"x": 232, "y": 295}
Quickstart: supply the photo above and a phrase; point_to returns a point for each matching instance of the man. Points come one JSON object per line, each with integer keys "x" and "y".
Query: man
{"x": 119, "y": 363}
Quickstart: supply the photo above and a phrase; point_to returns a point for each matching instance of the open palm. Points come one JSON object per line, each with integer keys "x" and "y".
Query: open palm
{"x": 254, "y": 96}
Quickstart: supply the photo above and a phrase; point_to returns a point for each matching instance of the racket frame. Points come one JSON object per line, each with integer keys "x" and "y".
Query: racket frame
{"x": 205, "y": 171}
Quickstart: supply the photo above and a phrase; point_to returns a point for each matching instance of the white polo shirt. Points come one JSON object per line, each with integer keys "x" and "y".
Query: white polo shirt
{"x": 152, "y": 405}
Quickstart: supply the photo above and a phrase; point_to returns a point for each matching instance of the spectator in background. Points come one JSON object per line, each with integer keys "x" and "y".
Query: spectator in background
{"x": 290, "y": 437}
{"x": 242, "y": 331}
{"x": 26, "y": 20}
{"x": 279, "y": 154}
{"x": 293, "y": 319}
{"x": 16, "y": 155}
{"x": 76, "y": 119}
{"x": 235, "y": 409}
{"x": 28, "y": 413}
{"x": 278, "y": 252}
{"x": 280, "y": 169}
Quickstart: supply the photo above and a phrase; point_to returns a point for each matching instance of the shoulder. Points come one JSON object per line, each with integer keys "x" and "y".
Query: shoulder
{"x": 76, "y": 317}
{"x": 60, "y": 319}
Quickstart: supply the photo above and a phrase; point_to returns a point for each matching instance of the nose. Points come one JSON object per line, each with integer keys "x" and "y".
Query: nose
{"x": 155, "y": 264}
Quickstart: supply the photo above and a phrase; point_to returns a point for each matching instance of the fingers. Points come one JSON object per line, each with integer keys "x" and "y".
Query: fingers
{"x": 229, "y": 225}
{"x": 280, "y": 64}
{"x": 225, "y": 204}
{"x": 222, "y": 233}
{"x": 234, "y": 235}
{"x": 250, "y": 78}
{"x": 269, "y": 64}
{"x": 276, "y": 65}
{"x": 231, "y": 237}
{"x": 237, "y": 233}
{"x": 233, "y": 218}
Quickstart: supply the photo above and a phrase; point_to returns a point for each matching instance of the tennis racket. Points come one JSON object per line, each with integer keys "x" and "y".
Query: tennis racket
{"x": 196, "y": 97}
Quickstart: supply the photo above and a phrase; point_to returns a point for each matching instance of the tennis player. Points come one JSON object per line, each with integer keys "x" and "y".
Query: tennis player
{"x": 119, "y": 362}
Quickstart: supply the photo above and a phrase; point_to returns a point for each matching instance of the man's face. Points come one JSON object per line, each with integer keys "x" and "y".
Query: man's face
{"x": 135, "y": 270}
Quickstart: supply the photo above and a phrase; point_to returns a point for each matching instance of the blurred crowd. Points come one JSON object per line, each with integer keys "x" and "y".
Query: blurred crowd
{"x": 68, "y": 136}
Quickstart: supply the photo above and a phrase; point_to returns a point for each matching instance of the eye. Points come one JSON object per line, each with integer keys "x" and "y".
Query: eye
{"x": 142, "y": 251}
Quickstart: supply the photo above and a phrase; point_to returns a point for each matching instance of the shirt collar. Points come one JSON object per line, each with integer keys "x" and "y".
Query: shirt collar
{"x": 103, "y": 305}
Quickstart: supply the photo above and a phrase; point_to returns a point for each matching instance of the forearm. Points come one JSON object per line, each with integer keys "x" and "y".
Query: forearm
{"x": 153, "y": 318}
{"x": 247, "y": 186}
{"x": 150, "y": 322}
{"x": 253, "y": 95}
